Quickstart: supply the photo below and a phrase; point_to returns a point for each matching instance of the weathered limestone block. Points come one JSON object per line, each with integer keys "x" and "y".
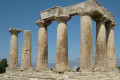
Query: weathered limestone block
{"x": 86, "y": 43}
{"x": 91, "y": 7}
{"x": 110, "y": 46}
{"x": 42, "y": 53}
{"x": 62, "y": 43}
{"x": 26, "y": 51}
{"x": 13, "y": 54}
{"x": 101, "y": 56}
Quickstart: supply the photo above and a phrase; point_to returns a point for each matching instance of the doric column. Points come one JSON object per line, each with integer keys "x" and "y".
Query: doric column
{"x": 42, "y": 53}
{"x": 62, "y": 43}
{"x": 86, "y": 43}
{"x": 110, "y": 46}
{"x": 26, "y": 51}
{"x": 101, "y": 56}
{"x": 13, "y": 55}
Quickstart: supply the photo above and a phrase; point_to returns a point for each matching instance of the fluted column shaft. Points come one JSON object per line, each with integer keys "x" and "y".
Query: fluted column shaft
{"x": 101, "y": 56}
{"x": 13, "y": 54}
{"x": 110, "y": 47}
{"x": 86, "y": 43}
{"x": 42, "y": 53}
{"x": 62, "y": 46}
{"x": 62, "y": 43}
{"x": 13, "y": 57}
{"x": 26, "y": 51}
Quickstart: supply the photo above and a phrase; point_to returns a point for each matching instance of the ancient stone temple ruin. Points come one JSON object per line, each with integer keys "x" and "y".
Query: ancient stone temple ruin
{"x": 103, "y": 67}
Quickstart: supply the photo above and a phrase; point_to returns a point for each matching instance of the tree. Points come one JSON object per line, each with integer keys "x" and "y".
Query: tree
{"x": 118, "y": 67}
{"x": 3, "y": 65}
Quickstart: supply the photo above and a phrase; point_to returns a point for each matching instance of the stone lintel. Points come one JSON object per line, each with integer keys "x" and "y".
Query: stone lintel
{"x": 91, "y": 7}
{"x": 50, "y": 13}
{"x": 14, "y": 30}
{"x": 50, "y": 9}
{"x": 41, "y": 22}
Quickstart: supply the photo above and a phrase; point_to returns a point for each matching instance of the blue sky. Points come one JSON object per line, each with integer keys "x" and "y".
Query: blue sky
{"x": 24, "y": 13}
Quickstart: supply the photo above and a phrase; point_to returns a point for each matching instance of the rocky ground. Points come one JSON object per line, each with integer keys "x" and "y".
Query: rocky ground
{"x": 51, "y": 75}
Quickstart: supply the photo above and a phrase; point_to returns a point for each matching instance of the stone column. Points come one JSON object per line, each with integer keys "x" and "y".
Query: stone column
{"x": 86, "y": 43}
{"x": 13, "y": 54}
{"x": 26, "y": 51}
{"x": 42, "y": 53}
{"x": 110, "y": 46}
{"x": 62, "y": 43}
{"x": 101, "y": 56}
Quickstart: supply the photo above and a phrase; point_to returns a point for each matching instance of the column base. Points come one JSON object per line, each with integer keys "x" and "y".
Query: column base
{"x": 42, "y": 69}
{"x": 8, "y": 69}
{"x": 86, "y": 70}
{"x": 61, "y": 70}
{"x": 26, "y": 69}
{"x": 104, "y": 69}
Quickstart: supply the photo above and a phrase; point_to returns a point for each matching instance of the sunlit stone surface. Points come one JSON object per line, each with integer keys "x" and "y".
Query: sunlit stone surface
{"x": 13, "y": 54}
{"x": 86, "y": 43}
{"x": 26, "y": 51}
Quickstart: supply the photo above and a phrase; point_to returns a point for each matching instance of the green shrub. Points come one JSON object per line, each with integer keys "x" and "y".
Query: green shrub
{"x": 118, "y": 67}
{"x": 3, "y": 65}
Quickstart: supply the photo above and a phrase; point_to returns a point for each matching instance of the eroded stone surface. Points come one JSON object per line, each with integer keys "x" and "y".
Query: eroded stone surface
{"x": 88, "y": 10}
{"x": 13, "y": 53}
{"x": 41, "y": 22}
{"x": 90, "y": 7}
{"x": 86, "y": 46}
{"x": 14, "y": 30}
{"x": 42, "y": 53}
{"x": 26, "y": 51}
{"x": 27, "y": 75}
{"x": 62, "y": 43}
{"x": 100, "y": 56}
{"x": 110, "y": 47}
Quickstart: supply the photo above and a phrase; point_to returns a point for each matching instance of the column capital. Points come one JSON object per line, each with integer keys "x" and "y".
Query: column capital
{"x": 41, "y": 22}
{"x": 83, "y": 14}
{"x": 14, "y": 30}
{"x": 63, "y": 17}
{"x": 99, "y": 18}
{"x": 110, "y": 24}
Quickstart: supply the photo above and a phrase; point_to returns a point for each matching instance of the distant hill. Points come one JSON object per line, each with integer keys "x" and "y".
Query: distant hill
{"x": 72, "y": 63}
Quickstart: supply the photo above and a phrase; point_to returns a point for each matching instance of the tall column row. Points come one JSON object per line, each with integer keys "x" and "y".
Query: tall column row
{"x": 105, "y": 48}
{"x": 26, "y": 51}
{"x": 62, "y": 44}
